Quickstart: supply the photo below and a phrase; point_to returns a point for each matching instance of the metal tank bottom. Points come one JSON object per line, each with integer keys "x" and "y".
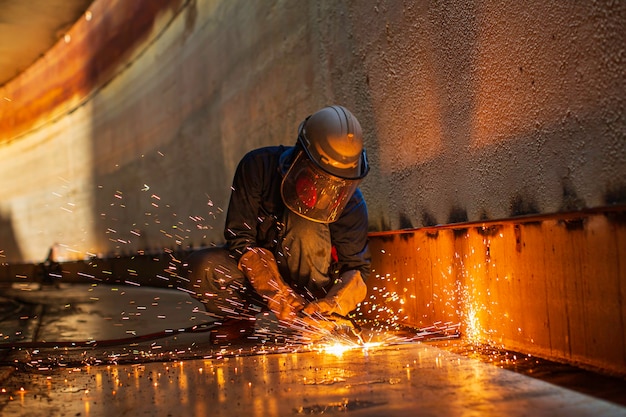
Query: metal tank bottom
{"x": 183, "y": 375}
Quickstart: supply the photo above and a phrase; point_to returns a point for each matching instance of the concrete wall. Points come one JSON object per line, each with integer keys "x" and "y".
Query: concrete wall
{"x": 125, "y": 135}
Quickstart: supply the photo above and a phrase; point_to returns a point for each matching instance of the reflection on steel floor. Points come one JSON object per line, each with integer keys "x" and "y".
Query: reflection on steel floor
{"x": 199, "y": 373}
{"x": 411, "y": 379}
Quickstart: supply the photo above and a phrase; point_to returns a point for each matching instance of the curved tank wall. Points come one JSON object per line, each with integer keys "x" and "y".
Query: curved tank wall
{"x": 125, "y": 135}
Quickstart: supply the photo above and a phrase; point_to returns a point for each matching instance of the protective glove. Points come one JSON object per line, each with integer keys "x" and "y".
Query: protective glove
{"x": 346, "y": 293}
{"x": 259, "y": 266}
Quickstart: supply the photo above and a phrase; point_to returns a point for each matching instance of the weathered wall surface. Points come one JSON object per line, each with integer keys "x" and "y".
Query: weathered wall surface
{"x": 552, "y": 286}
{"x": 125, "y": 137}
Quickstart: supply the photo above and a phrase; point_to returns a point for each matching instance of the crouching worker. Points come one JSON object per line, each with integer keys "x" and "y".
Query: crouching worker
{"x": 296, "y": 228}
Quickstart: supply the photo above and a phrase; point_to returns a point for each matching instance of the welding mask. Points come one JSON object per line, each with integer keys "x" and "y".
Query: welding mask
{"x": 328, "y": 166}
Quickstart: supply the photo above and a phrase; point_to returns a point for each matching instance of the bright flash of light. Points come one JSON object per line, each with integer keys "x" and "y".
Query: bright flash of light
{"x": 472, "y": 323}
{"x": 337, "y": 348}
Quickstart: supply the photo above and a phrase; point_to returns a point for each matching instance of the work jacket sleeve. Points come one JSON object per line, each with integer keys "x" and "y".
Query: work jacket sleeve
{"x": 349, "y": 237}
{"x": 245, "y": 201}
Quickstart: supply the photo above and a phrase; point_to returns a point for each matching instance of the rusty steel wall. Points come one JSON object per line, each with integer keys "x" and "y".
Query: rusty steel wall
{"x": 89, "y": 56}
{"x": 553, "y": 286}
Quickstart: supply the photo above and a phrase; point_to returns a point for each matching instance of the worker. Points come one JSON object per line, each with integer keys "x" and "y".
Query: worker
{"x": 296, "y": 228}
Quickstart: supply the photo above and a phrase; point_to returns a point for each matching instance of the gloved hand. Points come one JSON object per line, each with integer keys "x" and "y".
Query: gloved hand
{"x": 348, "y": 291}
{"x": 259, "y": 266}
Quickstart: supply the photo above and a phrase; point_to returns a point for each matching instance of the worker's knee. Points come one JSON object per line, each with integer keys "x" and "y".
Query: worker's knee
{"x": 215, "y": 280}
{"x": 211, "y": 266}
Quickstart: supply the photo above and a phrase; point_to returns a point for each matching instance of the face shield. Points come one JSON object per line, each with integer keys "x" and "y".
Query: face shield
{"x": 314, "y": 194}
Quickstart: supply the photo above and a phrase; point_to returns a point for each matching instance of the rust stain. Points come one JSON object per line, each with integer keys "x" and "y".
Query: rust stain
{"x": 70, "y": 71}
{"x": 489, "y": 231}
{"x": 518, "y": 237}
